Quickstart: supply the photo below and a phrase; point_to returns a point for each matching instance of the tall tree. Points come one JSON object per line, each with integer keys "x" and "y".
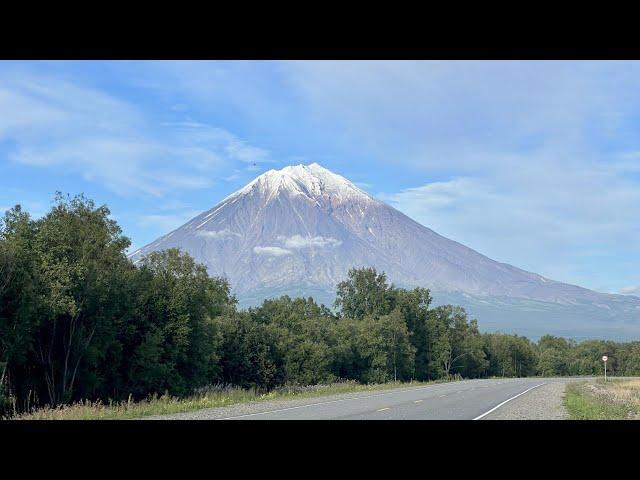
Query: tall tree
{"x": 81, "y": 252}
{"x": 414, "y": 307}
{"x": 456, "y": 343}
{"x": 177, "y": 339}
{"x": 554, "y": 355}
{"x": 18, "y": 296}
{"x": 364, "y": 292}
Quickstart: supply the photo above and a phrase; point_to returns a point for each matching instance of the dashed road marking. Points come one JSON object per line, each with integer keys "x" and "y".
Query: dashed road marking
{"x": 383, "y": 409}
{"x": 417, "y": 401}
{"x": 327, "y": 402}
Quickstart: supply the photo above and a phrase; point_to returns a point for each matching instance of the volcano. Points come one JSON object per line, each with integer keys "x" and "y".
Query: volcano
{"x": 298, "y": 231}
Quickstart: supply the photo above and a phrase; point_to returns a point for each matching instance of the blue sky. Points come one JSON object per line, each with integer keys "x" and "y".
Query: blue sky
{"x": 536, "y": 164}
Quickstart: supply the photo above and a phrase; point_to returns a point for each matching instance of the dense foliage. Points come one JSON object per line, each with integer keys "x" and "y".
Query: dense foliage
{"x": 79, "y": 321}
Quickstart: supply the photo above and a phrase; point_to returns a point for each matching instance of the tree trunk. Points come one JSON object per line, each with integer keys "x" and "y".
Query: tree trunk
{"x": 4, "y": 371}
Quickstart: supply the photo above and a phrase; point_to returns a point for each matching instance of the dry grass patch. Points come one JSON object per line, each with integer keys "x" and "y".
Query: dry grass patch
{"x": 218, "y": 396}
{"x": 616, "y": 399}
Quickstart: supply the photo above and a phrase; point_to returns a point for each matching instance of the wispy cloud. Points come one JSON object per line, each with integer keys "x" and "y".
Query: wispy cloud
{"x": 298, "y": 242}
{"x": 225, "y": 233}
{"x": 272, "y": 251}
{"x": 631, "y": 290}
{"x": 56, "y": 123}
{"x": 540, "y": 218}
{"x": 531, "y": 163}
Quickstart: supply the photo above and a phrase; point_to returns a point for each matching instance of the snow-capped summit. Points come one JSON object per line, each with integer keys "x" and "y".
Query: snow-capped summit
{"x": 312, "y": 181}
{"x": 298, "y": 230}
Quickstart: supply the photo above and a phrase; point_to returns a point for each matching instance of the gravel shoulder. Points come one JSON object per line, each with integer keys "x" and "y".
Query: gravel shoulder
{"x": 542, "y": 403}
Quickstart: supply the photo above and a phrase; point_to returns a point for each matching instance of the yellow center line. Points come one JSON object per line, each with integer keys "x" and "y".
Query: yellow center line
{"x": 383, "y": 409}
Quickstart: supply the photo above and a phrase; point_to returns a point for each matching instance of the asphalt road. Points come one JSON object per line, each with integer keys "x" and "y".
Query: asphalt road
{"x": 466, "y": 400}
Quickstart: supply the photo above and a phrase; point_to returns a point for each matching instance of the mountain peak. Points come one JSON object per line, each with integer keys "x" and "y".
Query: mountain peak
{"x": 313, "y": 181}
{"x": 299, "y": 230}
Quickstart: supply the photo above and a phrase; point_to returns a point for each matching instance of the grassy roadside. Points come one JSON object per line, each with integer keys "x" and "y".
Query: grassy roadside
{"x": 214, "y": 397}
{"x": 616, "y": 399}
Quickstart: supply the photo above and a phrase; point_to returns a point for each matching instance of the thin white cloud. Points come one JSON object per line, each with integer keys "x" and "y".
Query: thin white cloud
{"x": 55, "y": 123}
{"x": 535, "y": 219}
{"x": 272, "y": 251}
{"x": 631, "y": 290}
{"x": 298, "y": 242}
{"x": 220, "y": 142}
{"x": 531, "y": 163}
{"x": 429, "y": 113}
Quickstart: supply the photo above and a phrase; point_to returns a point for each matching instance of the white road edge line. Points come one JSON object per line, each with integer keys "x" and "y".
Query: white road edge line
{"x": 508, "y": 400}
{"x": 335, "y": 401}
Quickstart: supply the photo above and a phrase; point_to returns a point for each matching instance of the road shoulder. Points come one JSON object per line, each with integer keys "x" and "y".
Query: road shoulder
{"x": 542, "y": 403}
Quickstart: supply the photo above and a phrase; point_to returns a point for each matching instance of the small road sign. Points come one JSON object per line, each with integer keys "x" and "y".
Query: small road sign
{"x": 605, "y": 358}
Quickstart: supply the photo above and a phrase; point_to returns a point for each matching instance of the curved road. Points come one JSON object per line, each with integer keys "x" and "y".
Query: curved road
{"x": 464, "y": 400}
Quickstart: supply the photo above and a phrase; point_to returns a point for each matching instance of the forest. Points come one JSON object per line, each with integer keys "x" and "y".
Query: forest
{"x": 78, "y": 320}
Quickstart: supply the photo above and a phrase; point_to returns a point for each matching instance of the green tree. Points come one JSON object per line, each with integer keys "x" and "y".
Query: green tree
{"x": 585, "y": 358}
{"x": 248, "y": 353}
{"x": 18, "y": 297}
{"x": 414, "y": 307}
{"x": 398, "y": 353}
{"x": 175, "y": 339}
{"x": 303, "y": 331}
{"x": 628, "y": 357}
{"x": 456, "y": 345}
{"x": 364, "y": 292}
{"x": 509, "y": 355}
{"x": 554, "y": 355}
{"x": 81, "y": 252}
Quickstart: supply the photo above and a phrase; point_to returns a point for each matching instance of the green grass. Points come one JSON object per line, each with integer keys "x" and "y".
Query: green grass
{"x": 613, "y": 400}
{"x": 215, "y": 397}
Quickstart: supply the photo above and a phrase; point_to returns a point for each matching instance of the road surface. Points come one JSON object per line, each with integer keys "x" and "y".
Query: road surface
{"x": 466, "y": 400}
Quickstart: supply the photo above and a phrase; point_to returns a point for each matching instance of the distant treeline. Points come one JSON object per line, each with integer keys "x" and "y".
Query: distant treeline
{"x": 79, "y": 321}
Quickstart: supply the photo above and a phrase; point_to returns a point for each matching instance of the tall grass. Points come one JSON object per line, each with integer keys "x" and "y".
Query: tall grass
{"x": 611, "y": 400}
{"x": 210, "y": 397}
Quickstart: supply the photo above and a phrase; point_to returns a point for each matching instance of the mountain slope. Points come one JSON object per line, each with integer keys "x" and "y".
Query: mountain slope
{"x": 300, "y": 229}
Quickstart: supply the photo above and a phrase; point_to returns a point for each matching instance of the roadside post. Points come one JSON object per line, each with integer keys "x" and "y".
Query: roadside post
{"x": 604, "y": 359}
